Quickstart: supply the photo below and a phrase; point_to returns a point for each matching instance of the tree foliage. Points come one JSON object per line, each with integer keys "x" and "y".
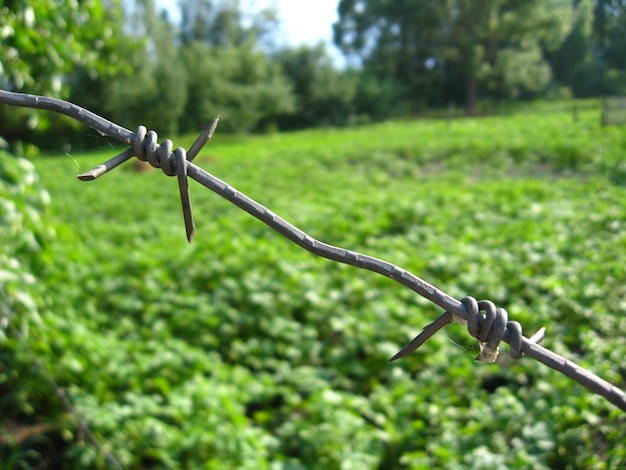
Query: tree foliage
{"x": 154, "y": 88}
{"x": 443, "y": 50}
{"x": 609, "y": 33}
{"x": 324, "y": 95}
{"x": 178, "y": 79}
{"x": 132, "y": 64}
{"x": 44, "y": 40}
{"x": 239, "y": 83}
{"x": 574, "y": 63}
{"x": 225, "y": 23}
{"x": 394, "y": 40}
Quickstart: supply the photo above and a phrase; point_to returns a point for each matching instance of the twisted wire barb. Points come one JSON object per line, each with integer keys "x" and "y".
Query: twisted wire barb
{"x": 489, "y": 328}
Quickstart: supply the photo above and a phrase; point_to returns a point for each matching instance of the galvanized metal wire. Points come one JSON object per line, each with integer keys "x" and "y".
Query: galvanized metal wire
{"x": 490, "y": 327}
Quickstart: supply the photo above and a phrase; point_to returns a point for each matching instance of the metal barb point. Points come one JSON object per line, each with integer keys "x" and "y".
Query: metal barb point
{"x": 106, "y": 166}
{"x": 539, "y": 336}
{"x": 445, "y": 319}
{"x": 181, "y": 162}
{"x": 202, "y": 139}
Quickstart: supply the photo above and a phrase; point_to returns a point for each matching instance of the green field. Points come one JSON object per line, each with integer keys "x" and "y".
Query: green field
{"x": 242, "y": 350}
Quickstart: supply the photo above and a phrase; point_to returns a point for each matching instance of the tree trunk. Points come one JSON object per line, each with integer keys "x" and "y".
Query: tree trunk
{"x": 471, "y": 96}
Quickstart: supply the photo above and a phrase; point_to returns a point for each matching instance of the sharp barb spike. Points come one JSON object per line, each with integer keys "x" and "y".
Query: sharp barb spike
{"x": 445, "y": 319}
{"x": 202, "y": 139}
{"x": 538, "y": 337}
{"x": 107, "y": 166}
{"x": 183, "y": 185}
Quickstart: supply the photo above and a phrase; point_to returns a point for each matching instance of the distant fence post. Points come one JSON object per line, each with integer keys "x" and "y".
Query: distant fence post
{"x": 614, "y": 111}
{"x": 451, "y": 111}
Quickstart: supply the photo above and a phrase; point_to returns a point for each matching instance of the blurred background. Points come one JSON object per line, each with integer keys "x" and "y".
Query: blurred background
{"x": 280, "y": 65}
{"x": 479, "y": 144}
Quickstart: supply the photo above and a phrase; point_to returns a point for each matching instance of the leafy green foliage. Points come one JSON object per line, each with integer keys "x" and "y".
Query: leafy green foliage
{"x": 454, "y": 50}
{"x": 154, "y": 65}
{"x": 45, "y": 39}
{"x": 43, "y": 43}
{"x": 464, "y": 50}
{"x": 226, "y": 24}
{"x": 175, "y": 83}
{"x": 243, "y": 351}
{"x": 241, "y": 82}
{"x": 324, "y": 95}
{"x": 608, "y": 24}
{"x": 26, "y": 235}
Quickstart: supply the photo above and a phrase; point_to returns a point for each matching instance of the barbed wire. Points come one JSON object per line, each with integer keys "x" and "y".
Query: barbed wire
{"x": 490, "y": 327}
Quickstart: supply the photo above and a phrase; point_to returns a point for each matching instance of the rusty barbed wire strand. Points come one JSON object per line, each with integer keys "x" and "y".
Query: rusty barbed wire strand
{"x": 489, "y": 328}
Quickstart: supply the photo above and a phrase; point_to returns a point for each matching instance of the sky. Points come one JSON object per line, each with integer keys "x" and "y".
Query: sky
{"x": 306, "y": 21}
{"x": 302, "y": 21}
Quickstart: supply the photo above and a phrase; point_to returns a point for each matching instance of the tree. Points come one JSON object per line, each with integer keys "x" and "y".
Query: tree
{"x": 43, "y": 42}
{"x": 498, "y": 45}
{"x": 394, "y": 41}
{"x": 153, "y": 89}
{"x": 575, "y": 63}
{"x": 239, "y": 83}
{"x": 226, "y": 23}
{"x": 609, "y": 30}
{"x": 451, "y": 49}
{"x": 228, "y": 72}
{"x": 324, "y": 95}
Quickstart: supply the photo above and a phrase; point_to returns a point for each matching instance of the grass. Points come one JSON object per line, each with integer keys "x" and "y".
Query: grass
{"x": 243, "y": 351}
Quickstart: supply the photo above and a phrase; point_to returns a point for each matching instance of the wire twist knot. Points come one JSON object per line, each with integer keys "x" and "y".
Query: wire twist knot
{"x": 146, "y": 148}
{"x": 490, "y": 328}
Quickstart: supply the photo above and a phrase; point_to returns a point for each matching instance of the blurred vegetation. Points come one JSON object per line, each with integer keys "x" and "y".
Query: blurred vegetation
{"x": 131, "y": 63}
{"x": 243, "y": 351}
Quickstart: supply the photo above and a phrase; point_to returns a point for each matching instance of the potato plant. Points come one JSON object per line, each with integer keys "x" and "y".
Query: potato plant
{"x": 243, "y": 351}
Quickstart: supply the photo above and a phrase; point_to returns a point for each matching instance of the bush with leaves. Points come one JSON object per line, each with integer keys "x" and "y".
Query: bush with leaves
{"x": 24, "y": 236}
{"x": 27, "y": 404}
{"x": 42, "y": 43}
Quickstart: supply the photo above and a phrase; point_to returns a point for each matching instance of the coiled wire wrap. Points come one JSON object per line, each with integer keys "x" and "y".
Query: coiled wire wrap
{"x": 489, "y": 328}
{"x": 146, "y": 148}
